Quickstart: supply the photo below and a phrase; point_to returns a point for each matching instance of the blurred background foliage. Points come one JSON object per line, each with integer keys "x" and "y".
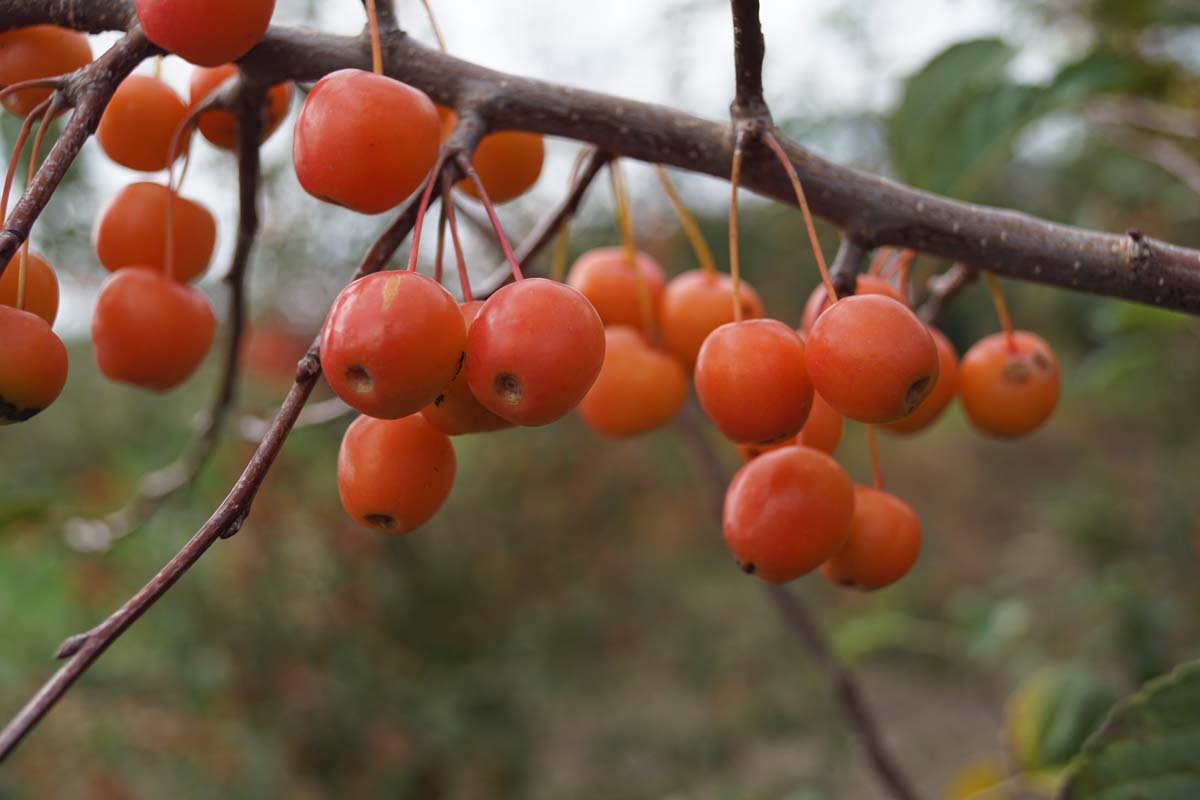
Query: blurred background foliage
{"x": 570, "y": 625}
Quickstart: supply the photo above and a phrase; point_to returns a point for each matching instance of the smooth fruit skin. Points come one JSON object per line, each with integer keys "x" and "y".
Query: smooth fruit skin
{"x": 694, "y": 304}
{"x": 130, "y": 230}
{"x": 391, "y": 343}
{"x": 41, "y": 286}
{"x": 639, "y": 388}
{"x": 150, "y": 331}
{"x": 823, "y": 429}
{"x": 509, "y": 164}
{"x": 605, "y": 277}
{"x": 364, "y": 141}
{"x": 884, "y": 541}
{"x": 752, "y": 382}
{"x": 534, "y": 351}
{"x": 33, "y": 365}
{"x": 1009, "y": 390}
{"x": 944, "y": 388}
{"x": 394, "y": 474}
{"x": 456, "y": 411}
{"x": 217, "y": 126}
{"x": 787, "y": 512}
{"x": 205, "y": 32}
{"x": 871, "y": 358}
{"x": 818, "y": 301}
{"x": 38, "y": 51}
{"x": 139, "y": 123}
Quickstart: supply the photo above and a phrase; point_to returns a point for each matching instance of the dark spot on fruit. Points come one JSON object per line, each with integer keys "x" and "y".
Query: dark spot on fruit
{"x": 441, "y": 398}
{"x": 1017, "y": 370}
{"x": 1041, "y": 361}
{"x": 508, "y": 387}
{"x": 917, "y": 392}
{"x": 359, "y": 379}
{"x": 11, "y": 413}
{"x": 384, "y": 522}
{"x": 462, "y": 359}
{"x": 748, "y": 567}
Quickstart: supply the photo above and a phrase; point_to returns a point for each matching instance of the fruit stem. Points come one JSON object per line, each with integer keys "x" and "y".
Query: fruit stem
{"x": 169, "y": 259}
{"x": 441, "y": 237}
{"x": 376, "y": 50}
{"x": 735, "y": 267}
{"x": 876, "y": 465}
{"x": 43, "y": 126}
{"x": 158, "y": 59}
{"x": 562, "y": 247}
{"x": 422, "y": 208}
{"x": 882, "y": 256}
{"x": 625, "y": 223}
{"x": 35, "y": 83}
{"x": 433, "y": 23}
{"x": 464, "y": 279}
{"x": 22, "y": 137}
{"x": 466, "y": 167}
{"x": 777, "y": 149}
{"x": 904, "y": 267}
{"x": 1001, "y": 309}
{"x": 688, "y": 223}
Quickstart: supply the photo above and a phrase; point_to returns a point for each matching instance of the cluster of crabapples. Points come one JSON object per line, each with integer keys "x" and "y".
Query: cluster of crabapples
{"x": 617, "y": 340}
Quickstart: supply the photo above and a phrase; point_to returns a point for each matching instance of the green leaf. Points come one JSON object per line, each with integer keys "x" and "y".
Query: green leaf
{"x": 1148, "y": 749}
{"x": 961, "y": 114}
{"x": 1051, "y": 714}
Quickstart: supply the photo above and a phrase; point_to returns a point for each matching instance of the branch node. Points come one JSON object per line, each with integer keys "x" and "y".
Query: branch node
{"x": 849, "y": 261}
{"x": 72, "y": 645}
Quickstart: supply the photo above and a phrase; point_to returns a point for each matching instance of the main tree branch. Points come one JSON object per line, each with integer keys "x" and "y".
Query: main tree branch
{"x": 874, "y": 210}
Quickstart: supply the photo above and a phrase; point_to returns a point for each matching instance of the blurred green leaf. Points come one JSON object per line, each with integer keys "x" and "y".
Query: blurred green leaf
{"x": 1148, "y": 748}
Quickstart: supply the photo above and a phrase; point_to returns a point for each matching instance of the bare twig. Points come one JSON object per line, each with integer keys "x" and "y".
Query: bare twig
{"x": 850, "y": 259}
{"x": 1137, "y": 112}
{"x": 84, "y": 648}
{"x": 548, "y": 226}
{"x": 807, "y": 631}
{"x": 944, "y": 288}
{"x": 89, "y": 90}
{"x": 872, "y": 209}
{"x": 157, "y": 488}
{"x": 749, "y": 48}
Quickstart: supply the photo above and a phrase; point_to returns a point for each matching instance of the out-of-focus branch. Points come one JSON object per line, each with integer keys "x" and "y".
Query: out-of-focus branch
{"x": 548, "y": 226}
{"x": 944, "y": 288}
{"x": 84, "y": 648}
{"x": 799, "y": 620}
{"x": 1163, "y": 153}
{"x": 247, "y": 102}
{"x": 1149, "y": 115}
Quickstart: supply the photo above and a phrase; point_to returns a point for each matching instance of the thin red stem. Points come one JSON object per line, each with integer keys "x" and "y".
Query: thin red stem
{"x": 629, "y": 244}
{"x": 376, "y": 50}
{"x": 1001, "y": 310}
{"x": 802, "y": 201}
{"x": 464, "y": 279}
{"x": 22, "y": 137}
{"x": 735, "y": 266}
{"x": 421, "y": 210}
{"x": 36, "y": 83}
{"x": 43, "y": 126}
{"x": 466, "y": 167}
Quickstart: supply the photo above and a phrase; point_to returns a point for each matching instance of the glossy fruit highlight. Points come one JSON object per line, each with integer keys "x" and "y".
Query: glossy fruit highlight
{"x": 391, "y": 343}
{"x": 787, "y": 512}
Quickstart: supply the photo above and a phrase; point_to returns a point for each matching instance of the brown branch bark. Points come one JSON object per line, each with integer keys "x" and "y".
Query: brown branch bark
{"x": 850, "y": 259}
{"x": 84, "y": 648}
{"x": 749, "y": 49}
{"x": 799, "y": 620}
{"x": 943, "y": 289}
{"x": 247, "y": 102}
{"x": 873, "y": 210}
